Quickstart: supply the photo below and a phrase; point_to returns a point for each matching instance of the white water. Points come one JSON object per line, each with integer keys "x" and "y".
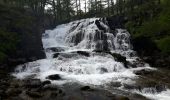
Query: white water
{"x": 98, "y": 69}
{"x": 164, "y": 95}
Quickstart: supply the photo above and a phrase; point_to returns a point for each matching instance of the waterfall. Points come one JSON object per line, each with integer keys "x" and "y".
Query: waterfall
{"x": 92, "y": 36}
{"x": 85, "y": 51}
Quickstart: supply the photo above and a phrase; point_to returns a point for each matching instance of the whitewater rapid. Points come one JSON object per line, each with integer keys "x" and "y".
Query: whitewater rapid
{"x": 87, "y": 35}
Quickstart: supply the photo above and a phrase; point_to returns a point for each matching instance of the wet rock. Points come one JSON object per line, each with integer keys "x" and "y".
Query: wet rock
{"x": 84, "y": 53}
{"x": 97, "y": 22}
{"x": 46, "y": 82}
{"x": 98, "y": 51}
{"x": 55, "y": 49}
{"x": 143, "y": 72}
{"x": 34, "y": 94}
{"x": 132, "y": 64}
{"x": 68, "y": 55}
{"x": 131, "y": 86}
{"x": 103, "y": 70}
{"x": 160, "y": 88}
{"x": 56, "y": 55}
{"x": 50, "y": 87}
{"x": 116, "y": 84}
{"x": 33, "y": 83}
{"x": 54, "y": 77}
{"x": 120, "y": 58}
{"x": 116, "y": 56}
{"x": 86, "y": 88}
{"x": 78, "y": 37}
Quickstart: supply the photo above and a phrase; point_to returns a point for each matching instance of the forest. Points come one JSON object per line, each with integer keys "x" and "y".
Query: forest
{"x": 144, "y": 18}
{"x": 88, "y": 42}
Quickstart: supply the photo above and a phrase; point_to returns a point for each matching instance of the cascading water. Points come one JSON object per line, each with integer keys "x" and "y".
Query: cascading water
{"x": 84, "y": 51}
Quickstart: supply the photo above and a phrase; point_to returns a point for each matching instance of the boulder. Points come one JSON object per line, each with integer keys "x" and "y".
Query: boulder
{"x": 55, "y": 49}
{"x": 84, "y": 53}
{"x": 86, "y": 88}
{"x": 54, "y": 77}
{"x": 56, "y": 55}
{"x": 116, "y": 84}
{"x": 97, "y": 22}
{"x": 46, "y": 82}
{"x": 120, "y": 58}
{"x": 143, "y": 72}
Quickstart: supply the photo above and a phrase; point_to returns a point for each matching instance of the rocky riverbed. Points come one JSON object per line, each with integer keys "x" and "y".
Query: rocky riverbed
{"x": 34, "y": 89}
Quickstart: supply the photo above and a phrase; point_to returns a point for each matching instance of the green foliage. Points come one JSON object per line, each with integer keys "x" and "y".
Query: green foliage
{"x": 13, "y": 23}
{"x": 151, "y": 20}
{"x": 8, "y": 42}
{"x": 164, "y": 45}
